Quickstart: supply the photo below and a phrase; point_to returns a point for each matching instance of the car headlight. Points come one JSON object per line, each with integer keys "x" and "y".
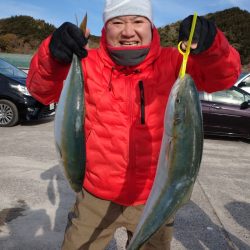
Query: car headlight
{"x": 22, "y": 89}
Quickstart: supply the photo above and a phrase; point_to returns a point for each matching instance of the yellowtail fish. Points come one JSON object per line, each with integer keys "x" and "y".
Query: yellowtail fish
{"x": 69, "y": 124}
{"x": 179, "y": 160}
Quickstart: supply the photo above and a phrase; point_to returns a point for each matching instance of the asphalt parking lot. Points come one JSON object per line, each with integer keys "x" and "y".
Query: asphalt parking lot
{"x": 35, "y": 197}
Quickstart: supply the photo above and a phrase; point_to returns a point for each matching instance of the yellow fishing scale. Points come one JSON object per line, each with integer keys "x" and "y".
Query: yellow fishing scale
{"x": 186, "y": 53}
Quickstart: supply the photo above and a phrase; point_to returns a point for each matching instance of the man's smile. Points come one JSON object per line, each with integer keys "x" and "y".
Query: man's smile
{"x": 129, "y": 43}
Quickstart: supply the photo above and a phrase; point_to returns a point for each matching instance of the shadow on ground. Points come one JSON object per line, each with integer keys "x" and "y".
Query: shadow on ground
{"x": 195, "y": 230}
{"x": 29, "y": 228}
{"x": 33, "y": 229}
{"x": 240, "y": 211}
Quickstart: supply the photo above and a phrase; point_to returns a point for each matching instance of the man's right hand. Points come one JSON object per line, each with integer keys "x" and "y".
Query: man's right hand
{"x": 65, "y": 41}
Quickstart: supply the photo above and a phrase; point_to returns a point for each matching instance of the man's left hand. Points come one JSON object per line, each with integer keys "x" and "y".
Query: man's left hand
{"x": 204, "y": 34}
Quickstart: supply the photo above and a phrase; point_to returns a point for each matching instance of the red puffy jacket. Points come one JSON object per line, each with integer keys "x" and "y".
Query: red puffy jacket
{"x": 125, "y": 109}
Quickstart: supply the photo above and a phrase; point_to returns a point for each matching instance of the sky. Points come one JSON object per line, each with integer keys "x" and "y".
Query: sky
{"x": 164, "y": 11}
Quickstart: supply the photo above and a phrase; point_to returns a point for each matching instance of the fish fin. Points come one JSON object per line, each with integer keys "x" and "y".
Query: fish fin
{"x": 83, "y": 25}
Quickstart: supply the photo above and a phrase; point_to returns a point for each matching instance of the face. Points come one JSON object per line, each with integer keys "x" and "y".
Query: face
{"x": 128, "y": 31}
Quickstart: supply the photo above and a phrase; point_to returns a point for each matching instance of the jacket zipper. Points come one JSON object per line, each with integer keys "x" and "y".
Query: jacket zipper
{"x": 142, "y": 98}
{"x": 110, "y": 86}
{"x": 131, "y": 144}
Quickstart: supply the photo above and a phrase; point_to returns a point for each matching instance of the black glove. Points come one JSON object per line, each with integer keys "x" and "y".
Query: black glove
{"x": 204, "y": 34}
{"x": 65, "y": 41}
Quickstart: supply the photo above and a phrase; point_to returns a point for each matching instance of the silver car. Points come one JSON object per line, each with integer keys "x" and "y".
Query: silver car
{"x": 244, "y": 82}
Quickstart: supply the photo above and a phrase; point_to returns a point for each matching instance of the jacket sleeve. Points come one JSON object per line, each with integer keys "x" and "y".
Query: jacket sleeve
{"x": 46, "y": 75}
{"x": 217, "y": 68}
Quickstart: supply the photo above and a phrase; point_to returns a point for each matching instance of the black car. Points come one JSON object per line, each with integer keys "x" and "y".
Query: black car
{"x": 16, "y": 103}
{"x": 226, "y": 113}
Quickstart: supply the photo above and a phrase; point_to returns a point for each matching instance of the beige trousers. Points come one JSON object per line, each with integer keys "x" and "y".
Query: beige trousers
{"x": 92, "y": 223}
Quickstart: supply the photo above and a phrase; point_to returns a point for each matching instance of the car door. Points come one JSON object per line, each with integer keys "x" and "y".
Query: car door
{"x": 4, "y": 85}
{"x": 222, "y": 113}
{"x": 207, "y": 119}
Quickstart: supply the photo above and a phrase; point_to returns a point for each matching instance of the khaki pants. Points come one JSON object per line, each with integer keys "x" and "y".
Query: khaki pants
{"x": 93, "y": 221}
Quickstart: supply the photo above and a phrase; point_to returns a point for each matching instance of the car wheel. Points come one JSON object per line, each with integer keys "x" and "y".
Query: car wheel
{"x": 9, "y": 115}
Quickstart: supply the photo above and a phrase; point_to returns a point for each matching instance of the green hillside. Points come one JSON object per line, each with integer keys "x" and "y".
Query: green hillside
{"x": 234, "y": 22}
{"x": 23, "y": 34}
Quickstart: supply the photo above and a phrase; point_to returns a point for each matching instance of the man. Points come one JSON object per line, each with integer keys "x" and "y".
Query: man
{"x": 127, "y": 84}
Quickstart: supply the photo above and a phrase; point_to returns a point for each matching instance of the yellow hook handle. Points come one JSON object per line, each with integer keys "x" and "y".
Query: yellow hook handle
{"x": 186, "y": 54}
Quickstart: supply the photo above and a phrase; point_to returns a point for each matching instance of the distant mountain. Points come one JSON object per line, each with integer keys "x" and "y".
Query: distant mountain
{"x": 234, "y": 22}
{"x": 23, "y": 34}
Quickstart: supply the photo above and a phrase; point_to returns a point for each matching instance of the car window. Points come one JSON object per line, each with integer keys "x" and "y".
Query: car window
{"x": 228, "y": 96}
{"x": 9, "y": 70}
{"x": 247, "y": 81}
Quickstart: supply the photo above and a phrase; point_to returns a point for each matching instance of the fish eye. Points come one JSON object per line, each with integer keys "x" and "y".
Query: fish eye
{"x": 178, "y": 100}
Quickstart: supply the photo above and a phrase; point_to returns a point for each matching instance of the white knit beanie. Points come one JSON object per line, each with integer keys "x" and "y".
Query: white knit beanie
{"x": 115, "y": 8}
